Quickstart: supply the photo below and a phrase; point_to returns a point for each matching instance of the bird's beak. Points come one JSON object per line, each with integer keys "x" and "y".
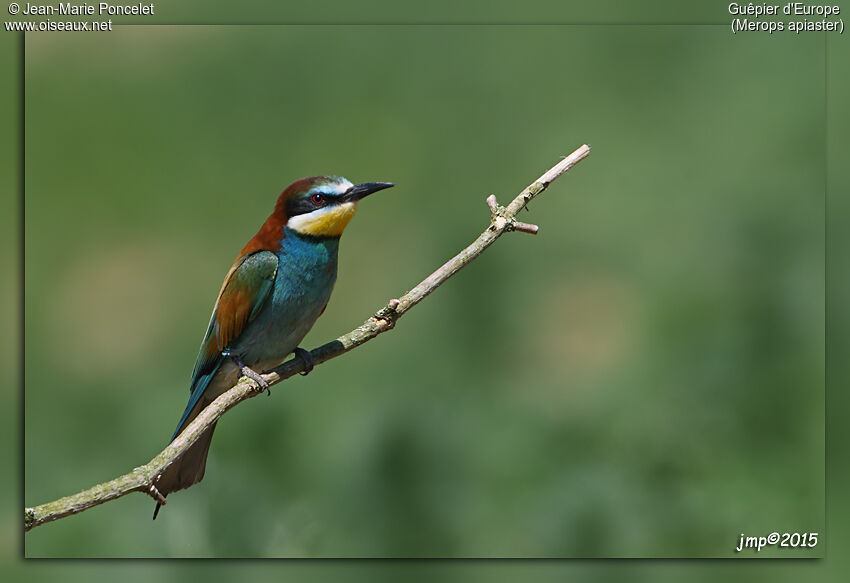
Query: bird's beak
{"x": 359, "y": 191}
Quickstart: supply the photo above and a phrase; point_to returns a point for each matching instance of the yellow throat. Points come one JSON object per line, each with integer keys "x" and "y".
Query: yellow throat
{"x": 325, "y": 222}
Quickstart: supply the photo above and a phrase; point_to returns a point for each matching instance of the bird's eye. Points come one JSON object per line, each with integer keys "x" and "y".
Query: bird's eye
{"x": 318, "y": 198}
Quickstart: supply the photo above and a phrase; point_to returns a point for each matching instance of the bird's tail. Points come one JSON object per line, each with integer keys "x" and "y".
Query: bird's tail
{"x": 189, "y": 468}
{"x": 186, "y": 470}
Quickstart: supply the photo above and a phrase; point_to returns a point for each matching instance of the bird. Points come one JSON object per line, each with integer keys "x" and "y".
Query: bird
{"x": 274, "y": 292}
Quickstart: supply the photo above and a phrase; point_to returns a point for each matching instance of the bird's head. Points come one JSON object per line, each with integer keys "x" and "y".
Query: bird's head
{"x": 319, "y": 206}
{"x": 322, "y": 206}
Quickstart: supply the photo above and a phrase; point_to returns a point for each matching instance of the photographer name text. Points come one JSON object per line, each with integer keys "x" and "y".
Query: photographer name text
{"x": 99, "y": 9}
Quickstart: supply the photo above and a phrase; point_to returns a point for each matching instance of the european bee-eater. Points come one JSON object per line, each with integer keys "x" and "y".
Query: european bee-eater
{"x": 273, "y": 294}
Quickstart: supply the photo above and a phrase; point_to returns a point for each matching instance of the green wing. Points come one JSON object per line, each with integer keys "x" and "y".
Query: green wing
{"x": 246, "y": 288}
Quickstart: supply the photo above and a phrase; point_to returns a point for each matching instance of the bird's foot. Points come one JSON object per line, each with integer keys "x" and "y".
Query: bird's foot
{"x": 307, "y": 357}
{"x": 249, "y": 372}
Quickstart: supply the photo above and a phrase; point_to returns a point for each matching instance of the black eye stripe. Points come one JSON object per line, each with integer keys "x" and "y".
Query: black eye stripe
{"x": 306, "y": 204}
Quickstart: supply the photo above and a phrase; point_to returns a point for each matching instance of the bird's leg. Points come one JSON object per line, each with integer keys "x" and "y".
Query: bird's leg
{"x": 249, "y": 372}
{"x": 307, "y": 357}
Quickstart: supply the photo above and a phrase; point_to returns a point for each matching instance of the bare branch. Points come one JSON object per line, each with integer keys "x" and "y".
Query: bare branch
{"x": 568, "y": 162}
{"x": 525, "y": 227}
{"x": 143, "y": 478}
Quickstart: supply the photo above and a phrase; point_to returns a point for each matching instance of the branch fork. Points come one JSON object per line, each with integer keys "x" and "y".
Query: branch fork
{"x": 499, "y": 219}
{"x": 143, "y": 478}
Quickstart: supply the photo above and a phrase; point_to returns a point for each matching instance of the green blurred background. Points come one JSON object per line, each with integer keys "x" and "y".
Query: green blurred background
{"x": 642, "y": 379}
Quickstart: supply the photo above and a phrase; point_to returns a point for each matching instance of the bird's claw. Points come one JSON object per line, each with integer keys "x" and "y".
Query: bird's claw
{"x": 257, "y": 378}
{"x": 250, "y": 373}
{"x": 307, "y": 357}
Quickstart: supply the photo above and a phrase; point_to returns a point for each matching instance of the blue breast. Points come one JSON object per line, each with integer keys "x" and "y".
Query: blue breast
{"x": 303, "y": 284}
